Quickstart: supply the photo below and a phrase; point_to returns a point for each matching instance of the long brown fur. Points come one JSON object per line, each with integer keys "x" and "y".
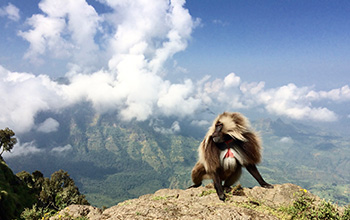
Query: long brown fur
{"x": 237, "y": 126}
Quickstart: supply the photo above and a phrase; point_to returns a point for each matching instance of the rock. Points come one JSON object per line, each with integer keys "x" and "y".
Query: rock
{"x": 195, "y": 203}
{"x": 280, "y": 195}
{"x": 76, "y": 211}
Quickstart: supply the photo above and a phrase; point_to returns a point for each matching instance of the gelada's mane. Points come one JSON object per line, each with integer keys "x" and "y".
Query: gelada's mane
{"x": 235, "y": 125}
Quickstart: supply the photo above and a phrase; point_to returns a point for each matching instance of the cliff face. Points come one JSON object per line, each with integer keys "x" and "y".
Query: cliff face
{"x": 197, "y": 203}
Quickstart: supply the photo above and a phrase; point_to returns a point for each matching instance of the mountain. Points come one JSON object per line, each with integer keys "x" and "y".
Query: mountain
{"x": 111, "y": 160}
{"x": 286, "y": 201}
{"x": 315, "y": 159}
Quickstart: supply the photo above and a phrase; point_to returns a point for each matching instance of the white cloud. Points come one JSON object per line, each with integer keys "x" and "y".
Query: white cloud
{"x": 157, "y": 30}
{"x": 175, "y": 128}
{"x": 231, "y": 80}
{"x": 221, "y": 91}
{"x": 286, "y": 140}
{"x": 63, "y": 149}
{"x": 178, "y": 100}
{"x": 26, "y": 95}
{"x": 48, "y": 126}
{"x": 23, "y": 150}
{"x": 30, "y": 148}
{"x": 10, "y": 11}
{"x": 140, "y": 37}
{"x": 200, "y": 123}
{"x": 45, "y": 37}
{"x": 146, "y": 36}
{"x": 140, "y": 43}
{"x": 181, "y": 25}
{"x": 292, "y": 101}
{"x": 66, "y": 29}
{"x": 220, "y": 22}
{"x": 340, "y": 94}
{"x": 253, "y": 88}
{"x": 288, "y": 100}
{"x": 99, "y": 88}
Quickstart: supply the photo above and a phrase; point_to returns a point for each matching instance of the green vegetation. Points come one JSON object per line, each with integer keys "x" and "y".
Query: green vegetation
{"x": 307, "y": 208}
{"x": 7, "y": 141}
{"x": 14, "y": 194}
{"x": 52, "y": 194}
{"x": 139, "y": 160}
{"x": 32, "y": 196}
{"x": 207, "y": 192}
{"x": 64, "y": 214}
{"x": 304, "y": 207}
{"x": 346, "y": 214}
{"x": 159, "y": 198}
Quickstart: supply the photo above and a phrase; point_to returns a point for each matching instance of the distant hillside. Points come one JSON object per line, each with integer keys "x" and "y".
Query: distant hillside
{"x": 112, "y": 161}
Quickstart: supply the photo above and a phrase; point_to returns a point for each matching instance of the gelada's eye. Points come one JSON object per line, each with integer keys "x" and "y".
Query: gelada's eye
{"x": 218, "y": 124}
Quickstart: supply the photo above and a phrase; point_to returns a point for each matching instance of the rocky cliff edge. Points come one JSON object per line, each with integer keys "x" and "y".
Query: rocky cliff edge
{"x": 198, "y": 203}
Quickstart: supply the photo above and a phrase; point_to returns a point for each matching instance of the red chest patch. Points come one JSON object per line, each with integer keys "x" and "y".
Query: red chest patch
{"x": 229, "y": 153}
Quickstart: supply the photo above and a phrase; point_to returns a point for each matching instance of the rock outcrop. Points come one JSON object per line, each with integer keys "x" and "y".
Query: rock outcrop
{"x": 196, "y": 203}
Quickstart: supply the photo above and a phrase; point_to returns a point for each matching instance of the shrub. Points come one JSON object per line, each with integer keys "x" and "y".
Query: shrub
{"x": 306, "y": 208}
{"x": 53, "y": 194}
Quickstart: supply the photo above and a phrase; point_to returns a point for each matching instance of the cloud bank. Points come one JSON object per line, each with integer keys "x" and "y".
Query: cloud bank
{"x": 24, "y": 149}
{"x": 118, "y": 61}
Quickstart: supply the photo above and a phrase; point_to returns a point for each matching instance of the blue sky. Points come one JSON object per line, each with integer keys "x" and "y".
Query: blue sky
{"x": 156, "y": 59}
{"x": 305, "y": 42}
